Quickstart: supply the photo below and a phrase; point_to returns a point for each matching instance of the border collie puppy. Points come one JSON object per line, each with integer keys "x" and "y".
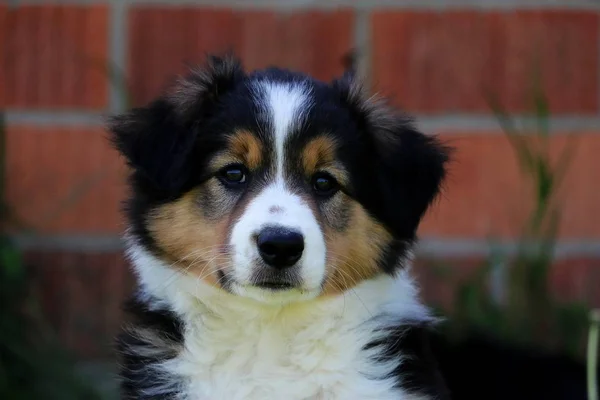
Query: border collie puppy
{"x": 271, "y": 220}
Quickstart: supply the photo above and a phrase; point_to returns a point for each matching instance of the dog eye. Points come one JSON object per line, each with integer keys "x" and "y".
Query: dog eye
{"x": 233, "y": 175}
{"x": 324, "y": 184}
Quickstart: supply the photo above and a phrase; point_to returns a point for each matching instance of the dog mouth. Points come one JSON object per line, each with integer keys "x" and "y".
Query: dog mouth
{"x": 268, "y": 279}
{"x": 274, "y": 286}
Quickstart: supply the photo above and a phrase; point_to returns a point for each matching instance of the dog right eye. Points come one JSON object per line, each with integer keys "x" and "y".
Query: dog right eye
{"x": 233, "y": 175}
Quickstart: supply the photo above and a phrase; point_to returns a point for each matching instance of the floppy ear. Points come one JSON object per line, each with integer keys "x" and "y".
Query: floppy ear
{"x": 405, "y": 168}
{"x": 410, "y": 171}
{"x": 158, "y": 139}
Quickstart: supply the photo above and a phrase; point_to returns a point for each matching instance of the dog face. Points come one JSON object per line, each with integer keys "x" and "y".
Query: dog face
{"x": 272, "y": 185}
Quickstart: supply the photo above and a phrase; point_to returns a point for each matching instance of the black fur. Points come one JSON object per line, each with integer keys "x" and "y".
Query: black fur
{"x": 164, "y": 334}
{"x": 480, "y": 366}
{"x": 395, "y": 173}
{"x": 167, "y": 142}
{"x": 419, "y": 372}
{"x": 405, "y": 168}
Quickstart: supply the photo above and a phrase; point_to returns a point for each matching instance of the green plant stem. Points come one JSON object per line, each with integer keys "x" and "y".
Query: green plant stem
{"x": 592, "y": 355}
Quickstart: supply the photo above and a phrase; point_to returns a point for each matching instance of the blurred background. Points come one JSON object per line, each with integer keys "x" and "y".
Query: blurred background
{"x": 511, "y": 249}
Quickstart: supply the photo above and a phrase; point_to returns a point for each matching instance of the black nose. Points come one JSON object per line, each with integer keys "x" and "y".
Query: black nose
{"x": 280, "y": 247}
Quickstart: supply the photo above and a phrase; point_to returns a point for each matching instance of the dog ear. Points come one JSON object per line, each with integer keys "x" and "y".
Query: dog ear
{"x": 405, "y": 168}
{"x": 410, "y": 169}
{"x": 157, "y": 140}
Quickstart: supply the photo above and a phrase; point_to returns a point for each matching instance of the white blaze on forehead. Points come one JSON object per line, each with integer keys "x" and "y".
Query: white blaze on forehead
{"x": 283, "y": 108}
{"x": 285, "y": 105}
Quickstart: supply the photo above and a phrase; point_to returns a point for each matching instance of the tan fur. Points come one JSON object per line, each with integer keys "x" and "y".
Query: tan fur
{"x": 190, "y": 241}
{"x": 318, "y": 151}
{"x": 247, "y": 148}
{"x": 319, "y": 155}
{"x": 193, "y": 243}
{"x": 353, "y": 253}
{"x": 242, "y": 147}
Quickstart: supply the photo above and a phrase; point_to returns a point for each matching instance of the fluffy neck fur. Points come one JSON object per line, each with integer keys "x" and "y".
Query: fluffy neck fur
{"x": 237, "y": 348}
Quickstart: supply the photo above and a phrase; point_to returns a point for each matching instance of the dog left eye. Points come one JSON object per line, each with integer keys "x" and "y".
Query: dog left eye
{"x": 233, "y": 175}
{"x": 324, "y": 184}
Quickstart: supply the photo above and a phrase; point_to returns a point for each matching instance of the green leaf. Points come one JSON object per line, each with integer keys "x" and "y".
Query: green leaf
{"x": 10, "y": 259}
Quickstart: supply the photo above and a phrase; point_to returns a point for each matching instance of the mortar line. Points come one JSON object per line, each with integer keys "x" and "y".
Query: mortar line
{"x": 448, "y": 123}
{"x": 362, "y": 45}
{"x": 427, "y": 247}
{"x": 118, "y": 46}
{"x": 55, "y": 118}
{"x": 457, "y": 247}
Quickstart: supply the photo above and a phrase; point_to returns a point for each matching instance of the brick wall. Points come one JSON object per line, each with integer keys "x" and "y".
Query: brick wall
{"x": 435, "y": 58}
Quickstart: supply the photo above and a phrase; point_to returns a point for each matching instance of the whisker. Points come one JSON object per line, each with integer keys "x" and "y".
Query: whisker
{"x": 198, "y": 254}
{"x": 353, "y": 279}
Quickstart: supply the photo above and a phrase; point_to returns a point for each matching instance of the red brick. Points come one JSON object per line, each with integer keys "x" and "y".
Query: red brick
{"x": 574, "y": 279}
{"x": 577, "y": 279}
{"x": 486, "y": 195}
{"x": 3, "y": 34}
{"x": 161, "y": 40}
{"x": 81, "y": 295}
{"x": 438, "y": 279}
{"x": 64, "y": 179}
{"x": 435, "y": 62}
{"x": 54, "y": 56}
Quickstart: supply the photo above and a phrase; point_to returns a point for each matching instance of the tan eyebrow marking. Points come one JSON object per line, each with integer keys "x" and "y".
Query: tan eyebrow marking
{"x": 242, "y": 147}
{"x": 320, "y": 150}
{"x": 319, "y": 154}
{"x": 246, "y": 146}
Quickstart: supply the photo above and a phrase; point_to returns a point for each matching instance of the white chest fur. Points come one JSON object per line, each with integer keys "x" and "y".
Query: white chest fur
{"x": 236, "y": 349}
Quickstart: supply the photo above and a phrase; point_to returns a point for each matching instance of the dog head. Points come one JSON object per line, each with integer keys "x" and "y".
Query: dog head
{"x": 272, "y": 183}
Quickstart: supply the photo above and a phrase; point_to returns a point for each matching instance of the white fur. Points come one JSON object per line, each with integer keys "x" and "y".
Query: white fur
{"x": 255, "y": 344}
{"x": 238, "y": 348}
{"x": 293, "y": 214}
{"x": 283, "y": 106}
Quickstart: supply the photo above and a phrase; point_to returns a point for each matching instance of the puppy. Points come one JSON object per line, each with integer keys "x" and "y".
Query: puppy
{"x": 271, "y": 220}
